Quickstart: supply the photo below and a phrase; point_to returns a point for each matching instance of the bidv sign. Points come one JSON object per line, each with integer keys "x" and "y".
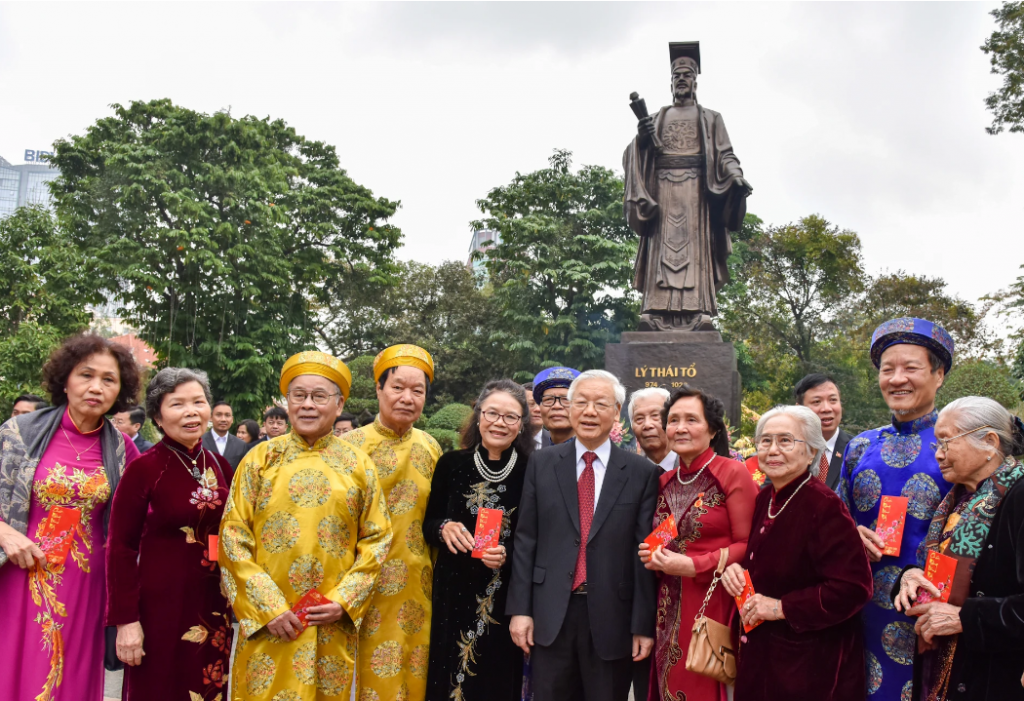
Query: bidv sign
{"x": 37, "y": 156}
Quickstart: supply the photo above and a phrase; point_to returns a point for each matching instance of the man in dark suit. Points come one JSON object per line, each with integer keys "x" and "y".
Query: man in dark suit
{"x": 820, "y": 394}
{"x": 221, "y": 439}
{"x": 585, "y": 612}
{"x": 130, "y": 423}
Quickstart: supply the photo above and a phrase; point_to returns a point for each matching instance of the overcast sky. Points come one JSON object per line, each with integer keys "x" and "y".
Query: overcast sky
{"x": 870, "y": 114}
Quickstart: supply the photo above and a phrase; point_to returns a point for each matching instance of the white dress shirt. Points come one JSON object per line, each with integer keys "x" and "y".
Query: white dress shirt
{"x": 221, "y": 441}
{"x": 538, "y": 440}
{"x": 604, "y": 453}
{"x": 830, "y": 446}
{"x": 670, "y": 462}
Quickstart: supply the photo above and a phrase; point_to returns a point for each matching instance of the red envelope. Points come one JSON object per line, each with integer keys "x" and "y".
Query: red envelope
{"x": 939, "y": 570}
{"x": 748, "y": 591}
{"x": 664, "y": 534}
{"x": 892, "y": 517}
{"x": 58, "y": 533}
{"x": 488, "y": 530}
{"x": 308, "y": 600}
{"x": 211, "y": 548}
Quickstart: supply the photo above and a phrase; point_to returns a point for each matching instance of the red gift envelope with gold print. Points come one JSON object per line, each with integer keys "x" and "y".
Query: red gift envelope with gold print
{"x": 308, "y": 600}
{"x": 211, "y": 548}
{"x": 939, "y": 570}
{"x": 892, "y": 517}
{"x": 664, "y": 534}
{"x": 748, "y": 591}
{"x": 58, "y": 533}
{"x": 488, "y": 530}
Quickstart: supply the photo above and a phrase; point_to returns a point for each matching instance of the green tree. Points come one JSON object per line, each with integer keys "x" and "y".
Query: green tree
{"x": 795, "y": 279}
{"x": 217, "y": 234}
{"x": 46, "y": 285}
{"x": 982, "y": 378}
{"x": 1005, "y": 48}
{"x": 561, "y": 266}
{"x": 440, "y": 308}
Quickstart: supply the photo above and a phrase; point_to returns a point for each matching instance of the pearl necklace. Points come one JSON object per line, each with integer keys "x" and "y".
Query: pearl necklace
{"x": 771, "y": 502}
{"x": 693, "y": 479}
{"x": 490, "y": 476}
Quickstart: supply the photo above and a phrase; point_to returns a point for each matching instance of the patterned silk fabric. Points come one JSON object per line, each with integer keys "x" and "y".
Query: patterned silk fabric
{"x": 394, "y": 641}
{"x": 301, "y": 518}
{"x": 895, "y": 460}
{"x": 585, "y": 494}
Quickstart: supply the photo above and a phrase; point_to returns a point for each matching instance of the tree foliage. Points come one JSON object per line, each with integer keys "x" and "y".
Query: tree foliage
{"x": 440, "y": 308}
{"x": 46, "y": 286}
{"x": 561, "y": 266}
{"x": 982, "y": 378}
{"x": 1005, "y": 48}
{"x": 215, "y": 235}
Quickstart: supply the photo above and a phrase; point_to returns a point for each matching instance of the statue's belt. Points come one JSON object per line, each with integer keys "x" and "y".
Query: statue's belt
{"x": 666, "y": 162}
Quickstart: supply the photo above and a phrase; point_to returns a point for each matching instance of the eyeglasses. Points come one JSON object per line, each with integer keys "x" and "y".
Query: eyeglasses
{"x": 599, "y": 406}
{"x": 509, "y": 419}
{"x": 944, "y": 442}
{"x": 320, "y": 398}
{"x": 785, "y": 441}
{"x": 551, "y": 401}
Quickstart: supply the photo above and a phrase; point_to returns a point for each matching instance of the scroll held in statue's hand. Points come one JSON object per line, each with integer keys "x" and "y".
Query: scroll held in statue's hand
{"x": 892, "y": 517}
{"x": 748, "y": 591}
{"x": 939, "y": 570}
{"x": 59, "y": 533}
{"x": 664, "y": 534}
{"x": 307, "y": 601}
{"x": 488, "y": 530}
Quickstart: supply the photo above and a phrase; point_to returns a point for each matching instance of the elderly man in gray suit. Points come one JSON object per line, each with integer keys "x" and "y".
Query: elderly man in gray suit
{"x": 581, "y": 602}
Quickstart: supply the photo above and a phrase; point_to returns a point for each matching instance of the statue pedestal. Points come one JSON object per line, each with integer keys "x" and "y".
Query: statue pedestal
{"x": 667, "y": 359}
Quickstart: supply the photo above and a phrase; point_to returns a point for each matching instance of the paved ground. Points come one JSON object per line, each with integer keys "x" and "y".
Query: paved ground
{"x": 112, "y": 686}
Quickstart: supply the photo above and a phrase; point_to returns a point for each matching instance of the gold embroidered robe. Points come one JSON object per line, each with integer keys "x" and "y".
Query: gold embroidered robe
{"x": 394, "y": 641}
{"x": 301, "y": 518}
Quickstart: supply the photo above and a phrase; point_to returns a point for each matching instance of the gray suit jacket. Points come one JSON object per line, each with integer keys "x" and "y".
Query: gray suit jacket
{"x": 233, "y": 452}
{"x": 835, "y": 466}
{"x": 621, "y": 593}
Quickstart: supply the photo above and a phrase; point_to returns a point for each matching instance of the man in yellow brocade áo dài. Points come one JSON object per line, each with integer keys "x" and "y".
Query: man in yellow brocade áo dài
{"x": 394, "y": 640}
{"x": 306, "y": 511}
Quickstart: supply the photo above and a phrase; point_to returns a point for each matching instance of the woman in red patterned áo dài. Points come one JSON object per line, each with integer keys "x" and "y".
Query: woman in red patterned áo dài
{"x": 163, "y": 584}
{"x": 711, "y": 498}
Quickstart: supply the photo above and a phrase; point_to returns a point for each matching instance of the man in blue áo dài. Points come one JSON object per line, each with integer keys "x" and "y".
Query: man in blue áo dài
{"x": 913, "y": 357}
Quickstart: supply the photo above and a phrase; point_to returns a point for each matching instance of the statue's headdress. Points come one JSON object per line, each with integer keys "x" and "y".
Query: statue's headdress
{"x": 687, "y": 52}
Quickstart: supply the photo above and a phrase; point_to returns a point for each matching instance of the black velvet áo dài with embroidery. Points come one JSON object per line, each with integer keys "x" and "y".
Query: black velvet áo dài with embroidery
{"x": 472, "y": 656}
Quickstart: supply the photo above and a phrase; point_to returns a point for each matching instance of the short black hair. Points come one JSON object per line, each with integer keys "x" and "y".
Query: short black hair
{"x": 528, "y": 386}
{"x": 35, "y": 399}
{"x": 136, "y": 415}
{"x": 220, "y": 403}
{"x": 387, "y": 373}
{"x": 345, "y": 416}
{"x": 935, "y": 361}
{"x": 809, "y": 382}
{"x": 275, "y": 412}
{"x": 714, "y": 414}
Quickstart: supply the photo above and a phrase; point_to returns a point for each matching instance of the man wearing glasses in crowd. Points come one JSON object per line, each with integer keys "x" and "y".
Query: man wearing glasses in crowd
{"x": 550, "y": 391}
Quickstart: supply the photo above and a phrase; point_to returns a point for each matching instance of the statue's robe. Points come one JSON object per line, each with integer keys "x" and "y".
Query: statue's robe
{"x": 683, "y": 204}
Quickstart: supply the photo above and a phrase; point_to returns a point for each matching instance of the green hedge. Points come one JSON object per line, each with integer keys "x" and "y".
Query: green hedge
{"x": 450, "y": 418}
{"x": 449, "y": 440}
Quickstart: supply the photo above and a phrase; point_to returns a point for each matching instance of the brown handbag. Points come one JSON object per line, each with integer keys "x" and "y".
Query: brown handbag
{"x": 710, "y": 652}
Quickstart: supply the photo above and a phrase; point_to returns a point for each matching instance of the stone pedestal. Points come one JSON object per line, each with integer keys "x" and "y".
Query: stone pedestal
{"x": 667, "y": 359}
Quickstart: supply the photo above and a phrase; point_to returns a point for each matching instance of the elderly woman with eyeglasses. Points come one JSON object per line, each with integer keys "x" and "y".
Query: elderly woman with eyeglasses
{"x": 809, "y": 573}
{"x": 469, "y": 593}
{"x": 972, "y": 646}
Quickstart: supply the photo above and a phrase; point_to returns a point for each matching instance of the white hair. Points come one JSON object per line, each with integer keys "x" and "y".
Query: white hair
{"x": 970, "y": 413}
{"x": 620, "y": 391}
{"x": 809, "y": 423}
{"x": 645, "y": 393}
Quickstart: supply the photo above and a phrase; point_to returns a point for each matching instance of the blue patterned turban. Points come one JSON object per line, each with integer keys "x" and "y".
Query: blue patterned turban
{"x": 552, "y": 377}
{"x": 916, "y": 332}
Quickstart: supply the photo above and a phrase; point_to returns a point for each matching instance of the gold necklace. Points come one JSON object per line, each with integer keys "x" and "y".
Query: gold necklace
{"x": 196, "y": 475}
{"x": 78, "y": 456}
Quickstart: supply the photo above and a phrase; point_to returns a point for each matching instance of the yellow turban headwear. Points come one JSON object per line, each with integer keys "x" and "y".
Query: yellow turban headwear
{"x": 316, "y": 363}
{"x": 403, "y": 354}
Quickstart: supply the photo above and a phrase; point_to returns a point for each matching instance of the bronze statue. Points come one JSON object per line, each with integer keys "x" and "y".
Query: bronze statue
{"x": 685, "y": 192}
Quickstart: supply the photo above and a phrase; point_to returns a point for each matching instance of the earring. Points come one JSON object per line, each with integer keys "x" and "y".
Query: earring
{"x": 988, "y": 458}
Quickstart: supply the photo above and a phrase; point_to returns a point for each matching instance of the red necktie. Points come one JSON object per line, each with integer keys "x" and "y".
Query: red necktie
{"x": 823, "y": 467}
{"x": 585, "y": 492}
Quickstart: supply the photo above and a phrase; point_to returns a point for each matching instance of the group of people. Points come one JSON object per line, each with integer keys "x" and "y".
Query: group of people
{"x": 350, "y": 560}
